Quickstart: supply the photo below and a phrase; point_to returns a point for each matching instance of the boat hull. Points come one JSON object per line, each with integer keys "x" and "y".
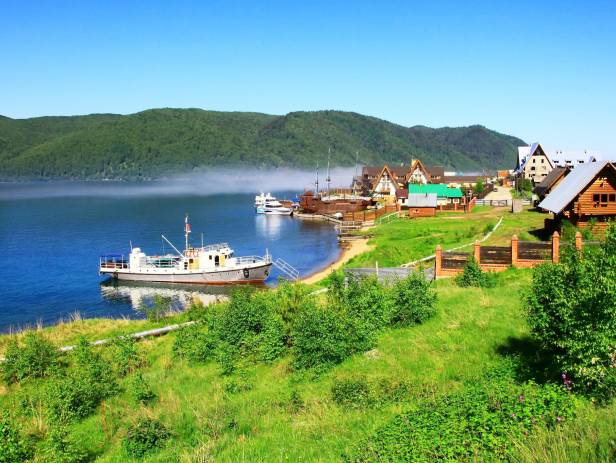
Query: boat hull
{"x": 245, "y": 275}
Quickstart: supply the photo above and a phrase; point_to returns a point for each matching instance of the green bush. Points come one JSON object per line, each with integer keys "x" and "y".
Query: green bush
{"x": 126, "y": 357}
{"x": 289, "y": 300}
{"x": 140, "y": 390}
{"x": 351, "y": 392}
{"x": 145, "y": 436}
{"x": 13, "y": 446}
{"x": 37, "y": 358}
{"x": 60, "y": 447}
{"x": 194, "y": 343}
{"x": 478, "y": 423}
{"x": 158, "y": 309}
{"x": 572, "y": 313}
{"x": 320, "y": 338}
{"x": 472, "y": 275}
{"x": 412, "y": 301}
{"x": 76, "y": 394}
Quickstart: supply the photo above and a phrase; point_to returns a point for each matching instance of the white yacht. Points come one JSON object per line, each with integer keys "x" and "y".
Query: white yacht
{"x": 213, "y": 264}
{"x": 268, "y": 204}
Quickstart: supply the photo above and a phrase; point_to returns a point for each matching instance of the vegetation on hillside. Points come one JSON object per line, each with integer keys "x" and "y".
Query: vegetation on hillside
{"x": 165, "y": 141}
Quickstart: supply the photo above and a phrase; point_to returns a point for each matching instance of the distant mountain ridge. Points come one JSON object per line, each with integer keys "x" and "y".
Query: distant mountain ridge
{"x": 160, "y": 142}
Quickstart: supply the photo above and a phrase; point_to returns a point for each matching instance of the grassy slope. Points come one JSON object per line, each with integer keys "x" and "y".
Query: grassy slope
{"x": 162, "y": 141}
{"x": 257, "y": 425}
{"x": 404, "y": 240}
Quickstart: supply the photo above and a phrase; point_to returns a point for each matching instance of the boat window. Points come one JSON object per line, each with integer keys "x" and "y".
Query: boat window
{"x": 217, "y": 260}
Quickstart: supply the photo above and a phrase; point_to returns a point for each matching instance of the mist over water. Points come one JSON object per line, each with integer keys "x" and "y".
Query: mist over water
{"x": 212, "y": 182}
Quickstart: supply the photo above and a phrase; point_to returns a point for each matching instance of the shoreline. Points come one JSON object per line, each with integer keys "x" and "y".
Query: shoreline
{"x": 355, "y": 248}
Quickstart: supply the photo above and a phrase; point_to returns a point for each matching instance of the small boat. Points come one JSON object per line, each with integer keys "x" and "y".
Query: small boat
{"x": 212, "y": 264}
{"x": 268, "y": 204}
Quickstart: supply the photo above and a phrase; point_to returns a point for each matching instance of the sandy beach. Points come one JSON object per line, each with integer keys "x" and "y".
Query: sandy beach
{"x": 355, "y": 248}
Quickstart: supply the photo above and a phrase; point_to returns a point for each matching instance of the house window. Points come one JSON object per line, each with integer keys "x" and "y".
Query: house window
{"x": 456, "y": 200}
{"x": 612, "y": 198}
{"x": 542, "y": 160}
{"x": 532, "y": 168}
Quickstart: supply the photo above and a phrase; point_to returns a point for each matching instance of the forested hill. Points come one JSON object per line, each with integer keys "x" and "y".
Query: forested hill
{"x": 165, "y": 141}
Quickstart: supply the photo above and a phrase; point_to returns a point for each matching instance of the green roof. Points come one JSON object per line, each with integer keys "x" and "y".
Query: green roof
{"x": 441, "y": 190}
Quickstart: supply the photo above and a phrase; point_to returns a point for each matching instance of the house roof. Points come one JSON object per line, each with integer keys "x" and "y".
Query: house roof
{"x": 402, "y": 193}
{"x": 417, "y": 164}
{"x": 370, "y": 170}
{"x": 436, "y": 171}
{"x": 422, "y": 200}
{"x": 548, "y": 182}
{"x": 441, "y": 190}
{"x": 572, "y": 185}
{"x": 465, "y": 178}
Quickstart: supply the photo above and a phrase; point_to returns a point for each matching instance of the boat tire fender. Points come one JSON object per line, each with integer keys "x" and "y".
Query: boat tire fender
{"x": 246, "y": 273}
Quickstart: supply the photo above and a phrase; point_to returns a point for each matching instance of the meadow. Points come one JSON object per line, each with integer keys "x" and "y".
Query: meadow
{"x": 275, "y": 411}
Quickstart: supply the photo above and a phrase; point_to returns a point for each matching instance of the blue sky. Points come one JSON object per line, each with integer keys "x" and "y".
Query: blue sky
{"x": 535, "y": 69}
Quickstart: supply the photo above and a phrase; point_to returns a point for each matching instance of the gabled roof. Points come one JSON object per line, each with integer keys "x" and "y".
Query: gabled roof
{"x": 441, "y": 190}
{"x": 422, "y": 200}
{"x": 548, "y": 182}
{"x": 384, "y": 170}
{"x": 525, "y": 153}
{"x": 417, "y": 164}
{"x": 371, "y": 170}
{"x": 567, "y": 190}
{"x": 436, "y": 171}
{"x": 402, "y": 193}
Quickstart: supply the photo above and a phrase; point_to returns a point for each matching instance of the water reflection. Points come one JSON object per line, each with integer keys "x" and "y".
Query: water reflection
{"x": 270, "y": 226}
{"x": 181, "y": 296}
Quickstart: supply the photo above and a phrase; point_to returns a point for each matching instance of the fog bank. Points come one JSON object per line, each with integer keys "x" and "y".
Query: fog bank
{"x": 214, "y": 181}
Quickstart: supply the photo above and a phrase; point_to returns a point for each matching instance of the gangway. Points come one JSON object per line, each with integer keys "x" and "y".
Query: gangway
{"x": 286, "y": 268}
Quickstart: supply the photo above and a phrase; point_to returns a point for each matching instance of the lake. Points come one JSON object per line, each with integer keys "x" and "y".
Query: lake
{"x": 51, "y": 236}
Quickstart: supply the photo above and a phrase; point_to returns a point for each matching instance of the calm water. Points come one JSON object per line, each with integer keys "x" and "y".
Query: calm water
{"x": 51, "y": 237}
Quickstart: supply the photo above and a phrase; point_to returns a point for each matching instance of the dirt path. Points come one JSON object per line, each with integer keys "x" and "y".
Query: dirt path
{"x": 356, "y": 247}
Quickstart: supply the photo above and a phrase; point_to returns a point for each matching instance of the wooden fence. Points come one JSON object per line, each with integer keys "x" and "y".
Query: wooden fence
{"x": 369, "y": 215}
{"x": 519, "y": 254}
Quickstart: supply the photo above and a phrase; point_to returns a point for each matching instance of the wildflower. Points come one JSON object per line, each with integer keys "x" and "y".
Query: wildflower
{"x": 521, "y": 398}
{"x": 558, "y": 419}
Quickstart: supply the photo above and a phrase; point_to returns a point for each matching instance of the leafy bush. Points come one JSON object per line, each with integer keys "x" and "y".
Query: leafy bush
{"x": 412, "y": 300}
{"x": 194, "y": 343}
{"x": 77, "y": 394}
{"x": 290, "y": 300}
{"x": 475, "y": 424}
{"x": 351, "y": 392}
{"x": 158, "y": 309}
{"x": 320, "y": 338}
{"x": 296, "y": 403}
{"x": 60, "y": 447}
{"x": 145, "y": 436}
{"x": 140, "y": 390}
{"x": 472, "y": 275}
{"x": 572, "y": 313}
{"x": 126, "y": 357}
{"x": 13, "y": 446}
{"x": 37, "y": 358}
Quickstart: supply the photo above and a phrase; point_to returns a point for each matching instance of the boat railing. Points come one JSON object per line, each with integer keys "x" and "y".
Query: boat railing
{"x": 112, "y": 262}
{"x": 252, "y": 259}
{"x": 216, "y": 247}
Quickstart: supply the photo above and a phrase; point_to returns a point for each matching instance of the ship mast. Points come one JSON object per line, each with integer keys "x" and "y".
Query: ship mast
{"x": 328, "y": 179}
{"x": 186, "y": 232}
{"x": 317, "y": 181}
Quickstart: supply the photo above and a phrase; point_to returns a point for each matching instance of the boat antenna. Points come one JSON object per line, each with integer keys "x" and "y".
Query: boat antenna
{"x": 317, "y": 182}
{"x": 171, "y": 244}
{"x": 201, "y": 240}
{"x": 328, "y": 179}
{"x": 186, "y": 231}
{"x": 131, "y": 244}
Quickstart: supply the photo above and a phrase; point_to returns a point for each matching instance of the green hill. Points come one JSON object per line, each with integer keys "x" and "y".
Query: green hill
{"x": 163, "y": 141}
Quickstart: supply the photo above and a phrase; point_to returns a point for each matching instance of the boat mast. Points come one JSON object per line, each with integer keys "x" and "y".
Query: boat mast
{"x": 328, "y": 179}
{"x": 171, "y": 244}
{"x": 317, "y": 182}
{"x": 186, "y": 231}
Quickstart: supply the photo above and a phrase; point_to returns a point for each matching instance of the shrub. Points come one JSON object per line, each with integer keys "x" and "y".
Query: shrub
{"x": 145, "y": 436}
{"x": 320, "y": 338}
{"x": 351, "y": 392}
{"x": 61, "y": 448}
{"x": 37, "y": 358}
{"x": 296, "y": 403}
{"x": 77, "y": 394}
{"x": 13, "y": 447}
{"x": 412, "y": 300}
{"x": 194, "y": 344}
{"x": 472, "y": 275}
{"x": 572, "y": 313}
{"x": 289, "y": 300}
{"x": 126, "y": 357}
{"x": 158, "y": 309}
{"x": 476, "y": 424}
{"x": 140, "y": 390}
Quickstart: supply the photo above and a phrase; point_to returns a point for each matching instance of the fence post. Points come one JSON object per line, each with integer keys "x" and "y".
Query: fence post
{"x": 438, "y": 261}
{"x": 477, "y": 251}
{"x": 555, "y": 248}
{"x": 578, "y": 241}
{"x": 514, "y": 251}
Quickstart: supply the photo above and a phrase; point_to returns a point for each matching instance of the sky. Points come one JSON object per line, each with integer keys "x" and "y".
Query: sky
{"x": 540, "y": 70}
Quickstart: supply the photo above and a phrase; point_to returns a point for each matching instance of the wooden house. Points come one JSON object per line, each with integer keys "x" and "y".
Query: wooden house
{"x": 417, "y": 173}
{"x": 422, "y": 204}
{"x": 587, "y": 195}
{"x": 550, "y": 182}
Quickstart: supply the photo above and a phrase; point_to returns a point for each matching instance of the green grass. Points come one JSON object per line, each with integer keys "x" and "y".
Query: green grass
{"x": 401, "y": 241}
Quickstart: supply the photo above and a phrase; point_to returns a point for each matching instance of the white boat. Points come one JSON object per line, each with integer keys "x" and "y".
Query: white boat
{"x": 268, "y": 204}
{"x": 213, "y": 264}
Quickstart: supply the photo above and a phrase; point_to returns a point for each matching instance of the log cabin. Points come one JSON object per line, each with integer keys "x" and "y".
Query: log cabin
{"x": 586, "y": 196}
